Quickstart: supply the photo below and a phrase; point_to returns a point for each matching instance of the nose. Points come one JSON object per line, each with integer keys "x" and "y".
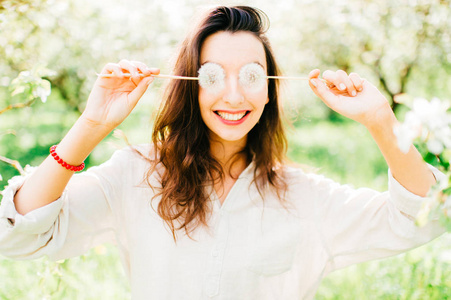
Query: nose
{"x": 233, "y": 93}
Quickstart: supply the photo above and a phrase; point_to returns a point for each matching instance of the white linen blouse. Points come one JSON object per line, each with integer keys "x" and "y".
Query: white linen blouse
{"x": 252, "y": 249}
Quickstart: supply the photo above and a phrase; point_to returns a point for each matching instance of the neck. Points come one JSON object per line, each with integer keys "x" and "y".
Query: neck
{"x": 227, "y": 154}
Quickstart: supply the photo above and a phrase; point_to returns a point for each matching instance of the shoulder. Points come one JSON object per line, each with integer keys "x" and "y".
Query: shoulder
{"x": 296, "y": 175}
{"x": 133, "y": 159}
{"x": 140, "y": 160}
{"x": 135, "y": 153}
{"x": 294, "y": 172}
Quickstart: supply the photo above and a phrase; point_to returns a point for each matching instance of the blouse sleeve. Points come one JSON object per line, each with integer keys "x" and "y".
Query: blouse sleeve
{"x": 358, "y": 225}
{"x": 79, "y": 220}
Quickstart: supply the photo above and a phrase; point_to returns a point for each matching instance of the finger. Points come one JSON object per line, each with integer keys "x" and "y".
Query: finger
{"x": 332, "y": 78}
{"x": 337, "y": 80}
{"x": 349, "y": 86}
{"x": 357, "y": 81}
{"x": 142, "y": 68}
{"x": 323, "y": 91}
{"x": 140, "y": 89}
{"x": 112, "y": 68}
{"x": 129, "y": 67}
{"x": 314, "y": 73}
{"x": 155, "y": 71}
{"x": 340, "y": 80}
{"x": 131, "y": 80}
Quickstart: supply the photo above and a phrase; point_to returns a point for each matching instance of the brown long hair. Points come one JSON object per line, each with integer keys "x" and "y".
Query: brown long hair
{"x": 181, "y": 138}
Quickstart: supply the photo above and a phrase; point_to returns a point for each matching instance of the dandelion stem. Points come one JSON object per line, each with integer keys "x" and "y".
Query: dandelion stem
{"x": 197, "y": 78}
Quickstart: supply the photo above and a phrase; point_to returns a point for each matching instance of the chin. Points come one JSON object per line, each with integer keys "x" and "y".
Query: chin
{"x": 229, "y": 138}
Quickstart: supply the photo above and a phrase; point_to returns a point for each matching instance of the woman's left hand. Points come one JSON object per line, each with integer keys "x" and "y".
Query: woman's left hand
{"x": 351, "y": 96}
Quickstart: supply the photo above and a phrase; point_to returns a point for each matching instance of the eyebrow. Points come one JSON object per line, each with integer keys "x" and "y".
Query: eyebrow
{"x": 258, "y": 63}
{"x": 254, "y": 62}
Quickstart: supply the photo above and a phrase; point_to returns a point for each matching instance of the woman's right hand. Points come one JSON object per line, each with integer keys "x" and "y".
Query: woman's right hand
{"x": 112, "y": 99}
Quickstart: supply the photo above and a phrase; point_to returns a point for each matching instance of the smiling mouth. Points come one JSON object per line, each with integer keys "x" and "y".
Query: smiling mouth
{"x": 232, "y": 116}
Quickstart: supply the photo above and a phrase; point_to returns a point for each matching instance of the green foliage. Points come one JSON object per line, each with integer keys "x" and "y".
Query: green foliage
{"x": 332, "y": 149}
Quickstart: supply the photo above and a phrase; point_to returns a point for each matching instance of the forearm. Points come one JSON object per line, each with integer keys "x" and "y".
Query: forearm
{"x": 409, "y": 169}
{"x": 48, "y": 182}
{"x": 111, "y": 100}
{"x": 370, "y": 108}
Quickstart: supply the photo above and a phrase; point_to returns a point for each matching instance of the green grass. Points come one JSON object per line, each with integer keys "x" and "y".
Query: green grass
{"x": 95, "y": 275}
{"x": 423, "y": 273}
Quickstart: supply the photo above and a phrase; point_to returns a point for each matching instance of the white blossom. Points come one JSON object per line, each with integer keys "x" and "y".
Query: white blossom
{"x": 435, "y": 146}
{"x": 445, "y": 256}
{"x": 432, "y": 113}
{"x": 428, "y": 121}
{"x": 42, "y": 93}
{"x": 408, "y": 131}
{"x": 29, "y": 169}
{"x": 405, "y": 136}
{"x": 443, "y": 134}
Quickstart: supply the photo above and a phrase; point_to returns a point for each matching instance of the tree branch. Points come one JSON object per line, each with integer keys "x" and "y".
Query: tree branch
{"x": 18, "y": 105}
{"x": 14, "y": 163}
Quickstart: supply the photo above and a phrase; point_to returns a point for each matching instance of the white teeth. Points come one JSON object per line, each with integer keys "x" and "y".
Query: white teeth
{"x": 231, "y": 117}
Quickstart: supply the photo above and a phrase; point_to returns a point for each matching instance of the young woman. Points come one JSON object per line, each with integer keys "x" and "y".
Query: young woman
{"x": 209, "y": 209}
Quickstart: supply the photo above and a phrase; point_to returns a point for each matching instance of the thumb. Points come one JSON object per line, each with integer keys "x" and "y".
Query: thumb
{"x": 140, "y": 89}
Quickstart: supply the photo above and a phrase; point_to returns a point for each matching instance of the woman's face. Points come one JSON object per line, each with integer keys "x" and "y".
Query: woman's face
{"x": 232, "y": 111}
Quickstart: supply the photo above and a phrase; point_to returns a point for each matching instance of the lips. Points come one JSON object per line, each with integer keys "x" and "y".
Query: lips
{"x": 232, "y": 117}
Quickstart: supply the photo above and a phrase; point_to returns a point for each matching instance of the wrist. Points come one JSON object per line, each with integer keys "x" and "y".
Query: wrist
{"x": 81, "y": 139}
{"x": 93, "y": 126}
{"x": 63, "y": 163}
{"x": 381, "y": 119}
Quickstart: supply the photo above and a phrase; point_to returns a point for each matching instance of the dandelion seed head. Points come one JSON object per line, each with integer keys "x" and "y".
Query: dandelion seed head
{"x": 211, "y": 77}
{"x": 252, "y": 76}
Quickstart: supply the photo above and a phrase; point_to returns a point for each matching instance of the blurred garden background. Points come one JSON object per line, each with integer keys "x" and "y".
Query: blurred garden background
{"x": 51, "y": 50}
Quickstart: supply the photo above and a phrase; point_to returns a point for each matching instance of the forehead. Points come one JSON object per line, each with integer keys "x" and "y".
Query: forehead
{"x": 233, "y": 49}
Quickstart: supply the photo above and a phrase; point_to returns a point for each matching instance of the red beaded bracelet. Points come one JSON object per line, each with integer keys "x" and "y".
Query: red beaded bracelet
{"x": 65, "y": 164}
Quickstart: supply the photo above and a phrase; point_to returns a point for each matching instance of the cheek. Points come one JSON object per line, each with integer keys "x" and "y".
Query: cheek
{"x": 205, "y": 104}
{"x": 266, "y": 97}
{"x": 203, "y": 100}
{"x": 207, "y": 98}
{"x": 261, "y": 98}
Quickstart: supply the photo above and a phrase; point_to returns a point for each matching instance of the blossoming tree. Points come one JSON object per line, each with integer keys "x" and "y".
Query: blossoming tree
{"x": 428, "y": 125}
